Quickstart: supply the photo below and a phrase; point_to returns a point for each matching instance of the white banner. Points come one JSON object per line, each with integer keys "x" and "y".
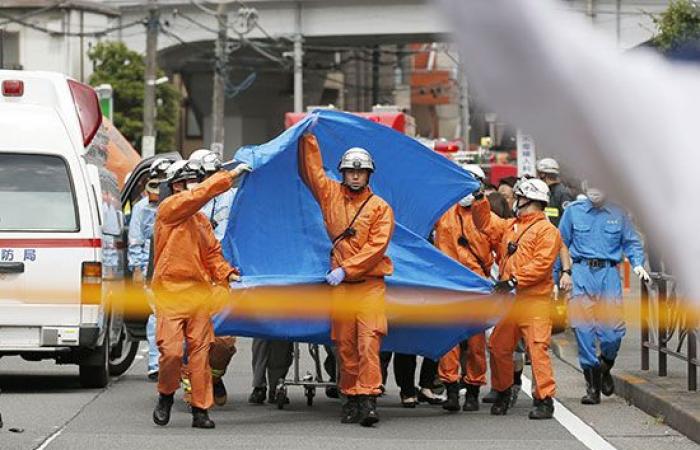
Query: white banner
{"x": 527, "y": 158}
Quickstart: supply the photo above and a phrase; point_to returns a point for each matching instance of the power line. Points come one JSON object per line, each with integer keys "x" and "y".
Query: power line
{"x": 31, "y": 14}
{"x": 203, "y": 8}
{"x": 173, "y": 35}
{"x": 99, "y": 33}
{"x": 178, "y": 13}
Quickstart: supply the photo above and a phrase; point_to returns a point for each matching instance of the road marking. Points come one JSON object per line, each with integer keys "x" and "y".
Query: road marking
{"x": 58, "y": 432}
{"x": 50, "y": 439}
{"x": 573, "y": 424}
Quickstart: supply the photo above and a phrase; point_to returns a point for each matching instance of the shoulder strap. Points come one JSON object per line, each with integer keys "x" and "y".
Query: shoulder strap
{"x": 469, "y": 246}
{"x": 517, "y": 240}
{"x": 526, "y": 230}
{"x": 348, "y": 230}
{"x": 213, "y": 208}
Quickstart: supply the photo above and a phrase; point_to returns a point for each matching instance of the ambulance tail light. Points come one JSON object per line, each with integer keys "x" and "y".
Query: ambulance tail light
{"x": 88, "y": 108}
{"x": 443, "y": 146}
{"x": 13, "y": 88}
{"x": 91, "y": 286}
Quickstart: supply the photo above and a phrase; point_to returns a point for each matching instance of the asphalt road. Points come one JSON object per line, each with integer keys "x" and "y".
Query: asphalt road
{"x": 46, "y": 402}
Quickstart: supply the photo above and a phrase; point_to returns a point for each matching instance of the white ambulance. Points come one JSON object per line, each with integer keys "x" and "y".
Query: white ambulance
{"x": 62, "y": 241}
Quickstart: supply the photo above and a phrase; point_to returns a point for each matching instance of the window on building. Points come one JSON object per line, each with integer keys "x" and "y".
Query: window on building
{"x": 193, "y": 129}
{"x": 9, "y": 50}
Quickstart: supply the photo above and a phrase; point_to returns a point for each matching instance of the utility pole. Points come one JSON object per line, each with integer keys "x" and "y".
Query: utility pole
{"x": 218, "y": 100}
{"x": 618, "y": 21}
{"x": 465, "y": 119}
{"x": 298, "y": 65}
{"x": 2, "y": 48}
{"x": 591, "y": 9}
{"x": 148, "y": 141}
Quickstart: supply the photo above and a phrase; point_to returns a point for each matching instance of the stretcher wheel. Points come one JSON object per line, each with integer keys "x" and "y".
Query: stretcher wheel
{"x": 281, "y": 396}
{"x": 310, "y": 394}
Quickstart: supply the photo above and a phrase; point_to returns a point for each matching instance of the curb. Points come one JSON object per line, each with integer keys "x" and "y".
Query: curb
{"x": 680, "y": 413}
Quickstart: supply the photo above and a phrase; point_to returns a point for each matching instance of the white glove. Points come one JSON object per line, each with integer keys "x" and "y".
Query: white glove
{"x": 335, "y": 277}
{"x": 642, "y": 273}
{"x": 240, "y": 169}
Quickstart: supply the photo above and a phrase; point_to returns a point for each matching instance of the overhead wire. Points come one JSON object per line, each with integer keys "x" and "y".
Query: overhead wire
{"x": 99, "y": 33}
{"x": 33, "y": 13}
{"x": 195, "y": 22}
{"x": 203, "y": 8}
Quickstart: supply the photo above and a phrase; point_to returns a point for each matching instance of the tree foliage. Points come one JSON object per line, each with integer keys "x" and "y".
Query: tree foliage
{"x": 114, "y": 63}
{"x": 678, "y": 25}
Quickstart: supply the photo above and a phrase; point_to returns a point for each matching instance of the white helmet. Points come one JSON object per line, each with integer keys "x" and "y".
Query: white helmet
{"x": 475, "y": 170}
{"x": 208, "y": 160}
{"x": 532, "y": 189}
{"x": 181, "y": 170}
{"x": 158, "y": 168}
{"x": 356, "y": 158}
{"x": 548, "y": 165}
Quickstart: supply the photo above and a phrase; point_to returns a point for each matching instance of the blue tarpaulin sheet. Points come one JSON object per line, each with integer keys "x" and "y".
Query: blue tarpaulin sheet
{"x": 276, "y": 234}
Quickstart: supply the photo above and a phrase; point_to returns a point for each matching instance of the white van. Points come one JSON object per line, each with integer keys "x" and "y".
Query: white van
{"x": 62, "y": 240}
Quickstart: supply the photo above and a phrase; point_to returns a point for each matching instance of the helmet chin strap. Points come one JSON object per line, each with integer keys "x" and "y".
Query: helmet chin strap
{"x": 355, "y": 189}
{"x": 517, "y": 208}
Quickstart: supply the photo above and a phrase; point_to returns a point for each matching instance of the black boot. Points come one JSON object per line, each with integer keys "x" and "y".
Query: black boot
{"x": 514, "y": 394}
{"x": 368, "y": 410}
{"x": 220, "y": 394}
{"x": 161, "y": 415}
{"x": 257, "y": 396}
{"x": 517, "y": 387}
{"x": 452, "y": 403}
{"x": 332, "y": 392}
{"x": 200, "y": 418}
{"x": 593, "y": 383}
{"x": 471, "y": 400}
{"x": 350, "y": 411}
{"x": 500, "y": 406}
{"x": 543, "y": 409}
{"x": 608, "y": 385}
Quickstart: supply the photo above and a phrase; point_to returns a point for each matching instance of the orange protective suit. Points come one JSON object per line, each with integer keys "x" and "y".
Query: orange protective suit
{"x": 188, "y": 262}
{"x": 538, "y": 245}
{"x": 362, "y": 257}
{"x": 474, "y": 252}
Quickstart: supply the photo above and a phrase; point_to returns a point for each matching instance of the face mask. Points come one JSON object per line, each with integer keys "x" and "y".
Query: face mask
{"x": 467, "y": 201}
{"x": 153, "y": 187}
{"x": 596, "y": 196}
{"x": 191, "y": 185}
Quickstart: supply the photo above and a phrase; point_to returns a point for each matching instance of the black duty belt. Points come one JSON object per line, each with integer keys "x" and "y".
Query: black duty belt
{"x": 596, "y": 263}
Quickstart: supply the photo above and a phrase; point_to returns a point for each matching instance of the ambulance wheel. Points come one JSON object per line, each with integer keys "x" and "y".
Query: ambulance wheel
{"x": 94, "y": 368}
{"x": 123, "y": 353}
{"x": 281, "y": 396}
{"x": 310, "y": 393}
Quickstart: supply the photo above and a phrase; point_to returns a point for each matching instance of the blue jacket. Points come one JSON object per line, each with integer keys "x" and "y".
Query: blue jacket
{"x": 217, "y": 211}
{"x": 143, "y": 218}
{"x": 600, "y": 233}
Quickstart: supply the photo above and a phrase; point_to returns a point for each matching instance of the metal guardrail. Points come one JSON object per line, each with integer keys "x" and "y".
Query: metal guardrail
{"x": 674, "y": 319}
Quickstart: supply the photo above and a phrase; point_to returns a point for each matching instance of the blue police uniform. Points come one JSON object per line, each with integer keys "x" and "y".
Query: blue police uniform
{"x": 217, "y": 211}
{"x": 597, "y": 239}
{"x": 143, "y": 218}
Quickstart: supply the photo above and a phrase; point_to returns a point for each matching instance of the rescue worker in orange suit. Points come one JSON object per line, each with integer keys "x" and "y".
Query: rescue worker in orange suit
{"x": 217, "y": 211}
{"x": 360, "y": 225}
{"x": 527, "y": 248}
{"x": 189, "y": 271}
{"x": 457, "y": 237}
